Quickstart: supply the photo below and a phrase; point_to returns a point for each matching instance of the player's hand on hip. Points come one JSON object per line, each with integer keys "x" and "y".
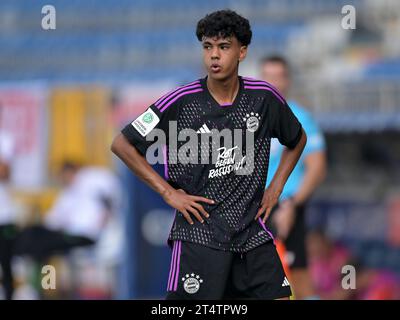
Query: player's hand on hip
{"x": 187, "y": 204}
{"x": 269, "y": 200}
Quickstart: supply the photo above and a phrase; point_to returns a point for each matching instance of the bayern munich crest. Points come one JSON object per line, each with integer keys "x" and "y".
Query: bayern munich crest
{"x": 191, "y": 283}
{"x": 252, "y": 121}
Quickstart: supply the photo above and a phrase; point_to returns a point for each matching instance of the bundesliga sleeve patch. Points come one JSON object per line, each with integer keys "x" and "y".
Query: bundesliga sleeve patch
{"x": 146, "y": 122}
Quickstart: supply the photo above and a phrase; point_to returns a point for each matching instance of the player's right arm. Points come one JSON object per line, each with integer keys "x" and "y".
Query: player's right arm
{"x": 131, "y": 146}
{"x": 177, "y": 199}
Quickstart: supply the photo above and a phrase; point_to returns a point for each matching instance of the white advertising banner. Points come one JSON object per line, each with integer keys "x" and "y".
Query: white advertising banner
{"x": 23, "y": 117}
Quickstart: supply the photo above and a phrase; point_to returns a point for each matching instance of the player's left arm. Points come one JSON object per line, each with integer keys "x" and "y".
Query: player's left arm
{"x": 315, "y": 166}
{"x": 314, "y": 160}
{"x": 282, "y": 124}
{"x": 288, "y": 161}
{"x": 315, "y": 173}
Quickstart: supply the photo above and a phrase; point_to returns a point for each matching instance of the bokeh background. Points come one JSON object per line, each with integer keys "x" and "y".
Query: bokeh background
{"x": 65, "y": 93}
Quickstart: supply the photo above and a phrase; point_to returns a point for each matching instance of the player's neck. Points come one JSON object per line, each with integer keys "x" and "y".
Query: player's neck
{"x": 224, "y": 91}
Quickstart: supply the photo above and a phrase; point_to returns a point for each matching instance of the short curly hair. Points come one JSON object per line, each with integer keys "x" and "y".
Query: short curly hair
{"x": 224, "y": 24}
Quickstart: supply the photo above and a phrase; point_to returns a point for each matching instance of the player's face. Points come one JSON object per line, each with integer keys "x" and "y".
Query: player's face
{"x": 222, "y": 56}
{"x": 276, "y": 74}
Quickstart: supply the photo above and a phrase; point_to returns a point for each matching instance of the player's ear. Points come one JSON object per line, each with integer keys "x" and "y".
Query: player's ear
{"x": 242, "y": 53}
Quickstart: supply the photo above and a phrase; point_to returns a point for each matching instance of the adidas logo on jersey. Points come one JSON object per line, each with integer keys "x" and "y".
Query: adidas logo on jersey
{"x": 204, "y": 129}
{"x": 285, "y": 282}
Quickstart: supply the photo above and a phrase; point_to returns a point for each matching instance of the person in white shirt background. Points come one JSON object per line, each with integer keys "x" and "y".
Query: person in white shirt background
{"x": 79, "y": 214}
{"x": 85, "y": 214}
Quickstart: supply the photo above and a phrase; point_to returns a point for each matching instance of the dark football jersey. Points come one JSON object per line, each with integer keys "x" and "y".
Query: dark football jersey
{"x": 232, "y": 171}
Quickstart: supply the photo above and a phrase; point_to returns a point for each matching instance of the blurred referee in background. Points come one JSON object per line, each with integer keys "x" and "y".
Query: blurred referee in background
{"x": 287, "y": 221}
